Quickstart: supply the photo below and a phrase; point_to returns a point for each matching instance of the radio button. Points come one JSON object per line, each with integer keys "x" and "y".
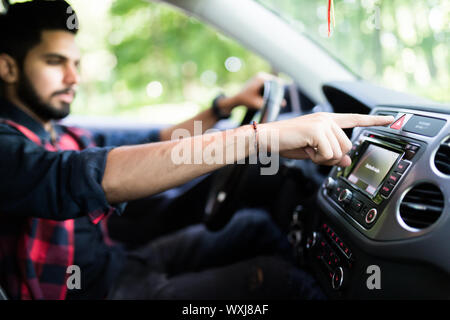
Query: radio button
{"x": 386, "y": 189}
{"x": 347, "y": 252}
{"x": 409, "y": 154}
{"x": 371, "y": 215}
{"x": 402, "y": 166}
{"x": 412, "y": 147}
{"x": 336, "y": 192}
{"x": 393, "y": 178}
{"x": 356, "y": 205}
{"x": 354, "y": 150}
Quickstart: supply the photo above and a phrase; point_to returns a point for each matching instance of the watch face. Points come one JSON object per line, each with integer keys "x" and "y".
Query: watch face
{"x": 215, "y": 106}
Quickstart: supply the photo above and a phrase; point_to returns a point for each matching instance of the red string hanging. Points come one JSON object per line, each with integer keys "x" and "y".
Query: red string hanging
{"x": 330, "y": 16}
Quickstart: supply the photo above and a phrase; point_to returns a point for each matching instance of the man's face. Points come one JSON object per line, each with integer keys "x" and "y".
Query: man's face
{"x": 49, "y": 76}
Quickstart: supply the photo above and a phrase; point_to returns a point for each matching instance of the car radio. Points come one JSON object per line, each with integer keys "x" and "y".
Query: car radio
{"x": 379, "y": 162}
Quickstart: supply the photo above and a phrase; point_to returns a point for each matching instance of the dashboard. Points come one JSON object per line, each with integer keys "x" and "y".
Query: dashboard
{"x": 388, "y": 213}
{"x": 378, "y": 229}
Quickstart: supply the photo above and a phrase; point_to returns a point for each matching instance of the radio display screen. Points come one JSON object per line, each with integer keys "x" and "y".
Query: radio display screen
{"x": 372, "y": 168}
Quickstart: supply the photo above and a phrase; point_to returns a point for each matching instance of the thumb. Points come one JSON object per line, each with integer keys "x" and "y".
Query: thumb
{"x": 256, "y": 103}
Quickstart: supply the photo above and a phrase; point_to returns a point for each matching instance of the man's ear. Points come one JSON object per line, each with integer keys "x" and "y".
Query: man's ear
{"x": 9, "y": 71}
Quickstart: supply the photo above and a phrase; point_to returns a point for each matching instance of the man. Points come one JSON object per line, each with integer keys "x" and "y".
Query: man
{"x": 57, "y": 186}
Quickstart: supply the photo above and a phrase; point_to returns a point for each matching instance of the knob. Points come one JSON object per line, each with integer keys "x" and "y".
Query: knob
{"x": 371, "y": 215}
{"x": 311, "y": 242}
{"x": 337, "y": 280}
{"x": 330, "y": 184}
{"x": 345, "y": 196}
{"x": 295, "y": 234}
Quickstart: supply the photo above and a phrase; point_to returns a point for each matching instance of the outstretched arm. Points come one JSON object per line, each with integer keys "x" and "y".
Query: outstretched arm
{"x": 134, "y": 172}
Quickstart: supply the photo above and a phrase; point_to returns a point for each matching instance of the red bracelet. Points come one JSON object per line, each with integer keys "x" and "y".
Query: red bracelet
{"x": 255, "y": 128}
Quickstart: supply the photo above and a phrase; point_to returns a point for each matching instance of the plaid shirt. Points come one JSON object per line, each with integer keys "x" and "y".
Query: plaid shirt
{"x": 43, "y": 248}
{"x": 45, "y": 187}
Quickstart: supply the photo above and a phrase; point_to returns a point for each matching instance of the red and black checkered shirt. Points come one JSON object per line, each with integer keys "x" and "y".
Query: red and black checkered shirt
{"x": 46, "y": 185}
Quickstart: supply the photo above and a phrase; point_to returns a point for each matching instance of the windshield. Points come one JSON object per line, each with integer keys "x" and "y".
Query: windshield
{"x": 402, "y": 44}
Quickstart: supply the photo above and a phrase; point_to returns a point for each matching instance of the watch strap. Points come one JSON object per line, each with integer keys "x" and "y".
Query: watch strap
{"x": 216, "y": 110}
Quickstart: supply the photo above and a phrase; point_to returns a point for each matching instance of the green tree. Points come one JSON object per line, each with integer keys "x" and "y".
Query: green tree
{"x": 155, "y": 42}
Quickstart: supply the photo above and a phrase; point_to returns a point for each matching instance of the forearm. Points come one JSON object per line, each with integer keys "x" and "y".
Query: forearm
{"x": 138, "y": 171}
{"x": 207, "y": 119}
{"x": 134, "y": 172}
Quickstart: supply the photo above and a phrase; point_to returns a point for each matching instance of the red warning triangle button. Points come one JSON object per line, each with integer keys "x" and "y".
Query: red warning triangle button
{"x": 397, "y": 125}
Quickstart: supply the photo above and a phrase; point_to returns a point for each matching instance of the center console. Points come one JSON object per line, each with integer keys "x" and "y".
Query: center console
{"x": 379, "y": 163}
{"x": 371, "y": 212}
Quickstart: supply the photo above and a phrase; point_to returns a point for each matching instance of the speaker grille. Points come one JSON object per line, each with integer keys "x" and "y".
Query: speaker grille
{"x": 422, "y": 206}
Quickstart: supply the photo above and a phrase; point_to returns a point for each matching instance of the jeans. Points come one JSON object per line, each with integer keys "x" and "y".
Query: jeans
{"x": 248, "y": 259}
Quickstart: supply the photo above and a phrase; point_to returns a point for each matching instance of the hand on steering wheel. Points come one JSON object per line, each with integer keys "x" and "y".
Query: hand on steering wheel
{"x": 227, "y": 182}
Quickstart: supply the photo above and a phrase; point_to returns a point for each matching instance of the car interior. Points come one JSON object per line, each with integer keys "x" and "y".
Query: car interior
{"x": 389, "y": 211}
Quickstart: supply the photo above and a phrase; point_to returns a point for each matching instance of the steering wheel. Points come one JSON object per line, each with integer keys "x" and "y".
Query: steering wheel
{"x": 227, "y": 182}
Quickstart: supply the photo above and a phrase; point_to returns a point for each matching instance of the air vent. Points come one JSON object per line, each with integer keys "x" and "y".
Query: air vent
{"x": 422, "y": 206}
{"x": 441, "y": 160}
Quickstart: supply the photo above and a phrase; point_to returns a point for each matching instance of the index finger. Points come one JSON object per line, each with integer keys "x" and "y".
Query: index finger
{"x": 350, "y": 120}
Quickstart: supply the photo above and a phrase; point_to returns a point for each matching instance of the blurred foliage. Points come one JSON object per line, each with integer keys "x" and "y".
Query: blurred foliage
{"x": 139, "y": 56}
{"x": 158, "y": 55}
{"x": 155, "y": 42}
{"x": 400, "y": 44}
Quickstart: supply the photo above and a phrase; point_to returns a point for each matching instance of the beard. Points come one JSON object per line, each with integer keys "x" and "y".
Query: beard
{"x": 43, "y": 110}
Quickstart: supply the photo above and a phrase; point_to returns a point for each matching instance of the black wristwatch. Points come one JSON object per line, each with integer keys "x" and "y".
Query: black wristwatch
{"x": 216, "y": 110}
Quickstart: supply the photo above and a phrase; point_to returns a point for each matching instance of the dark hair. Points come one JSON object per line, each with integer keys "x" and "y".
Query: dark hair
{"x": 22, "y": 25}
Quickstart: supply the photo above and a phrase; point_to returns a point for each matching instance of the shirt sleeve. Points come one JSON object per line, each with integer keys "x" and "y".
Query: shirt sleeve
{"x": 112, "y": 138}
{"x": 52, "y": 185}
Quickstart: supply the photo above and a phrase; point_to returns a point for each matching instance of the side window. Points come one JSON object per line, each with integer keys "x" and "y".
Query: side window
{"x": 152, "y": 61}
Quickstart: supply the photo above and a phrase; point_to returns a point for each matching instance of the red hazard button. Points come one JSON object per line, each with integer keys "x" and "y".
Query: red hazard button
{"x": 397, "y": 125}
